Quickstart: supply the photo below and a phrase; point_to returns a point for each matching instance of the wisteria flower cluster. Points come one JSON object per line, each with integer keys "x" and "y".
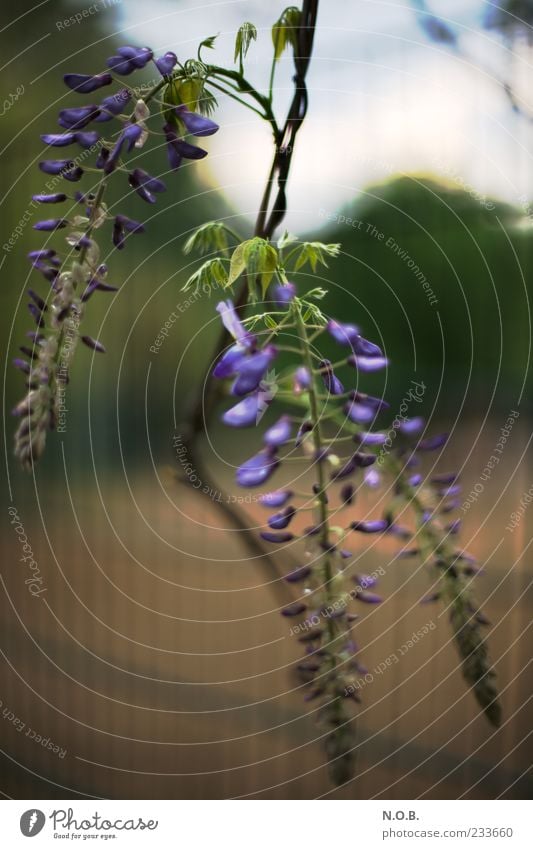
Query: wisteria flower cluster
{"x": 75, "y": 271}
{"x": 337, "y": 435}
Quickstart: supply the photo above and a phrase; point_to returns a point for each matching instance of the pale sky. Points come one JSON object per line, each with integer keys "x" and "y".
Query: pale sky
{"x": 384, "y": 100}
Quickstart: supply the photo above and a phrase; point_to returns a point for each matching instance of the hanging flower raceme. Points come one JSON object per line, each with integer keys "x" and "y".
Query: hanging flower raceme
{"x": 342, "y": 456}
{"x": 73, "y": 268}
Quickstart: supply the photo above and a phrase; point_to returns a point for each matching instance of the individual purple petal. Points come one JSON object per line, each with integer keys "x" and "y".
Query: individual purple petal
{"x": 415, "y": 480}
{"x": 177, "y": 148}
{"x": 368, "y": 364}
{"x": 123, "y": 225}
{"x": 365, "y": 581}
{"x": 138, "y": 56}
{"x": 373, "y": 527}
{"x": 94, "y": 344}
{"x": 228, "y": 364}
{"x": 35, "y": 312}
{"x": 77, "y": 117}
{"x": 58, "y": 139}
{"x": 364, "y": 460}
{"x": 197, "y": 125}
{"x": 279, "y": 433}
{"x": 412, "y": 425}
{"x": 367, "y": 438}
{"x": 242, "y": 414}
{"x": 55, "y": 166}
{"x": 277, "y": 498}
{"x": 41, "y": 303}
{"x": 257, "y": 469}
{"x": 363, "y": 348}
{"x": 232, "y": 322}
{"x": 73, "y": 175}
{"x": 298, "y": 574}
{"x": 145, "y": 185}
{"x": 372, "y": 478}
{"x": 45, "y": 253}
{"x": 58, "y": 197}
{"x": 284, "y": 293}
{"x": 87, "y": 139}
{"x": 22, "y": 365}
{"x": 432, "y": 443}
{"x": 165, "y": 64}
{"x": 251, "y": 370}
{"x": 127, "y": 138}
{"x": 368, "y": 598}
{"x": 332, "y": 383}
{"x": 280, "y": 521}
{"x": 345, "y": 471}
{"x": 51, "y": 224}
{"x": 120, "y": 65}
{"x": 302, "y": 379}
{"x": 113, "y": 105}
{"x": 445, "y": 477}
{"x": 347, "y": 494}
{"x": 276, "y": 538}
{"x": 359, "y": 413}
{"x": 84, "y": 83}
{"x": 344, "y": 334}
{"x": 294, "y": 609}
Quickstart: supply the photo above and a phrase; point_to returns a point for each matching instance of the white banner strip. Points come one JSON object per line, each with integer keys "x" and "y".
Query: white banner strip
{"x": 264, "y": 824}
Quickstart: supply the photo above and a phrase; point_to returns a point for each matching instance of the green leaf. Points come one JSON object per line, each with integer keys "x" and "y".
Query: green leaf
{"x": 211, "y": 275}
{"x": 245, "y": 35}
{"x": 208, "y": 42}
{"x": 315, "y": 253}
{"x": 238, "y": 263}
{"x": 211, "y": 236}
{"x": 285, "y": 30}
{"x": 261, "y": 261}
{"x": 286, "y": 239}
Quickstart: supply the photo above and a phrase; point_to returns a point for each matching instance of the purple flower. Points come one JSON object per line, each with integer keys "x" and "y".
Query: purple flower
{"x": 93, "y": 344}
{"x": 374, "y": 527}
{"x": 251, "y": 370}
{"x": 277, "y": 498}
{"x": 332, "y": 383}
{"x": 372, "y": 478}
{"x": 276, "y": 538}
{"x": 87, "y": 139}
{"x": 302, "y": 379}
{"x": 344, "y": 334}
{"x": 85, "y": 83}
{"x": 77, "y": 117}
{"x": 178, "y": 149}
{"x": 360, "y": 413}
{"x": 55, "y": 166}
{"x": 370, "y": 438}
{"x": 165, "y": 64}
{"x": 305, "y": 427}
{"x": 367, "y": 364}
{"x": 55, "y": 198}
{"x": 279, "y": 433}
{"x": 129, "y": 59}
{"x": 368, "y": 598}
{"x": 232, "y": 323}
{"x": 433, "y": 442}
{"x": 46, "y": 253}
{"x": 412, "y": 425}
{"x": 284, "y": 293}
{"x": 228, "y": 363}
{"x": 124, "y": 225}
{"x": 196, "y": 125}
{"x": 113, "y": 105}
{"x": 51, "y": 224}
{"x": 298, "y": 574}
{"x": 280, "y": 521}
{"x": 242, "y": 414}
{"x": 127, "y": 137}
{"x": 294, "y": 609}
{"x": 347, "y": 494}
{"x": 257, "y": 469}
{"x": 145, "y": 185}
{"x": 58, "y": 139}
